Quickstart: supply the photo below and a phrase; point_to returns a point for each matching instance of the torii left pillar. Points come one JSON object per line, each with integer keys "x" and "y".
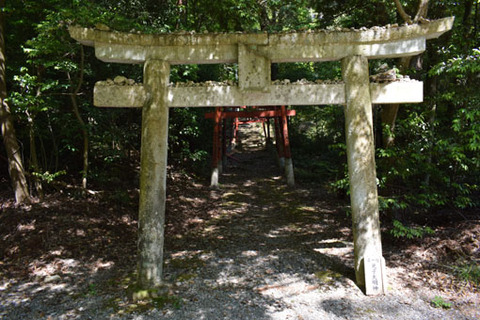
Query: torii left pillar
{"x": 153, "y": 173}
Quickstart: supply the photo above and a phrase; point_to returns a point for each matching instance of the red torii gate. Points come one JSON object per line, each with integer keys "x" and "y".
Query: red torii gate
{"x": 263, "y": 114}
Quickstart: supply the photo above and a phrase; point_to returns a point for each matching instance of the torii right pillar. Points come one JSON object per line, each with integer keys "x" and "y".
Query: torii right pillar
{"x": 369, "y": 263}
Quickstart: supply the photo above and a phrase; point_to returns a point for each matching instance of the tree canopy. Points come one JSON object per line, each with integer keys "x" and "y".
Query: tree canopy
{"x": 432, "y": 163}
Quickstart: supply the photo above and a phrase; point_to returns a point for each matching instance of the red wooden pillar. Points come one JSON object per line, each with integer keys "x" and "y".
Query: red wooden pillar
{"x": 235, "y": 131}
{"x": 279, "y": 140}
{"x": 286, "y": 147}
{"x": 284, "y": 126}
{"x": 223, "y": 144}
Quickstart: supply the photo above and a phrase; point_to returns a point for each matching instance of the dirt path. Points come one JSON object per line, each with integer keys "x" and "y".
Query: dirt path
{"x": 270, "y": 252}
{"x": 253, "y": 249}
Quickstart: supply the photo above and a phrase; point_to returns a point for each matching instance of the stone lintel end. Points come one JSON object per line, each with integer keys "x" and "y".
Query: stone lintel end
{"x": 112, "y": 95}
{"x": 85, "y": 36}
{"x": 397, "y": 92}
{"x": 438, "y": 27}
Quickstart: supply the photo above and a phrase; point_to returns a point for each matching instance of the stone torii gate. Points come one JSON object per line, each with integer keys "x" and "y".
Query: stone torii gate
{"x": 254, "y": 53}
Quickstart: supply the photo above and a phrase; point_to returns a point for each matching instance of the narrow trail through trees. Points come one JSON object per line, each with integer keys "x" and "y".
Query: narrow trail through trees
{"x": 272, "y": 252}
{"x": 252, "y": 249}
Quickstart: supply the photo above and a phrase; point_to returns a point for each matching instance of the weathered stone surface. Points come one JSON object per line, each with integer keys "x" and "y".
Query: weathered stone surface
{"x": 200, "y": 95}
{"x": 330, "y": 51}
{"x": 311, "y": 94}
{"x": 153, "y": 173}
{"x": 289, "y": 174}
{"x": 106, "y": 95}
{"x": 253, "y": 68}
{"x": 361, "y": 170}
{"x": 88, "y": 36}
{"x": 120, "y": 80}
{"x": 214, "y": 178}
{"x": 320, "y": 45}
{"x": 203, "y": 84}
{"x": 397, "y": 92}
{"x": 273, "y": 95}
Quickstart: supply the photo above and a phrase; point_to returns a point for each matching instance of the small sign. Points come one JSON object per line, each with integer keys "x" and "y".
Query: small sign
{"x": 374, "y": 274}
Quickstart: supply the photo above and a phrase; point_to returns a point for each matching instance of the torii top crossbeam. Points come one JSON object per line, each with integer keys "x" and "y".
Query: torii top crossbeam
{"x": 254, "y": 53}
{"x": 323, "y": 45}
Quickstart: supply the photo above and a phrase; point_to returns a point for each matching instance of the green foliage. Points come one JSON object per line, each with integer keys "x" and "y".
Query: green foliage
{"x": 389, "y": 204}
{"x": 49, "y": 177}
{"x": 429, "y": 167}
{"x": 187, "y": 135}
{"x": 439, "y": 302}
{"x": 433, "y": 164}
{"x": 469, "y": 271}
{"x": 246, "y": 15}
{"x": 161, "y": 301}
{"x": 401, "y": 231}
{"x": 459, "y": 66}
{"x": 92, "y": 290}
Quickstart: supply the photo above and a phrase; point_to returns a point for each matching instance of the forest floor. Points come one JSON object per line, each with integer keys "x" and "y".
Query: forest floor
{"x": 251, "y": 249}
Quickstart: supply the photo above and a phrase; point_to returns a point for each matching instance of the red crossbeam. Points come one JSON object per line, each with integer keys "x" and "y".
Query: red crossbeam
{"x": 250, "y": 114}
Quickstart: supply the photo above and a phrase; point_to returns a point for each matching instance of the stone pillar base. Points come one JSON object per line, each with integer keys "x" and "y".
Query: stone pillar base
{"x": 281, "y": 162}
{"x": 214, "y": 178}
{"x": 289, "y": 172}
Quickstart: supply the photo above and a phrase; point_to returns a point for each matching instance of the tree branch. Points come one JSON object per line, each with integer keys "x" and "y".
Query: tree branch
{"x": 82, "y": 71}
{"x": 422, "y": 11}
{"x": 76, "y": 111}
{"x": 402, "y": 12}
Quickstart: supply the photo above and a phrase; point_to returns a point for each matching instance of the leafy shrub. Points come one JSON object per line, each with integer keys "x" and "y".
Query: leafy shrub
{"x": 399, "y": 230}
{"x": 469, "y": 272}
{"x": 439, "y": 302}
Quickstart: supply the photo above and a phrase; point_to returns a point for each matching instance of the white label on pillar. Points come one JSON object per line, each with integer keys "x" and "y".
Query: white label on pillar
{"x": 374, "y": 274}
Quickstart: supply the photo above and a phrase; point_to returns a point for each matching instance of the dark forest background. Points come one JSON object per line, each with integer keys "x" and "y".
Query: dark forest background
{"x": 427, "y": 154}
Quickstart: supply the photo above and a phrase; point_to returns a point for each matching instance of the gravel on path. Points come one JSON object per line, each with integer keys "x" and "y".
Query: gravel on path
{"x": 268, "y": 252}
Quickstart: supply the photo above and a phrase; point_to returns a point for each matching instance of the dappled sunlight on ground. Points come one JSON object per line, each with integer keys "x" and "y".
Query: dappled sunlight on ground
{"x": 251, "y": 249}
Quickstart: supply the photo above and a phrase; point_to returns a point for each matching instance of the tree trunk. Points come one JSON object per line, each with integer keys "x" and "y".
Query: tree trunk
{"x": 34, "y": 165}
{"x": 402, "y": 12}
{"x": 422, "y": 10}
{"x": 389, "y": 112}
{"x": 475, "y": 21}
{"x": 15, "y": 165}
{"x": 34, "y": 159}
{"x": 84, "y": 130}
{"x": 432, "y": 88}
{"x": 77, "y": 114}
{"x": 54, "y": 159}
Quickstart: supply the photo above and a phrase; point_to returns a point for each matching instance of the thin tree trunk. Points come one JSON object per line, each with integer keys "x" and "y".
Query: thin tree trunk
{"x": 402, "y": 12}
{"x": 475, "y": 21}
{"x": 83, "y": 126}
{"x": 389, "y": 112}
{"x": 467, "y": 12}
{"x": 432, "y": 87}
{"x": 33, "y": 148}
{"x": 33, "y": 158}
{"x": 54, "y": 156}
{"x": 15, "y": 165}
{"x": 43, "y": 152}
{"x": 422, "y": 10}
